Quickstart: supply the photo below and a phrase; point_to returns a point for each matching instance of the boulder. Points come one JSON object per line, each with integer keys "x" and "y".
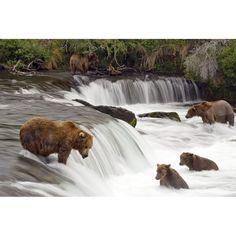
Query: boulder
{"x": 2, "y": 68}
{"x": 116, "y": 112}
{"x": 158, "y": 114}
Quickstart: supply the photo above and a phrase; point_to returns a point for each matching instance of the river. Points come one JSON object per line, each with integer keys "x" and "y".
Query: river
{"x": 123, "y": 160}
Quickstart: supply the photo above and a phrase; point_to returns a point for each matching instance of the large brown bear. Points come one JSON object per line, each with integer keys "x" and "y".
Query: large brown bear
{"x": 169, "y": 177}
{"x": 44, "y": 137}
{"x": 195, "y": 162}
{"x": 211, "y": 112}
{"x": 81, "y": 63}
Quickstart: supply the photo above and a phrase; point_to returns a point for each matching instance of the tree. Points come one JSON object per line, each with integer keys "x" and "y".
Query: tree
{"x": 202, "y": 63}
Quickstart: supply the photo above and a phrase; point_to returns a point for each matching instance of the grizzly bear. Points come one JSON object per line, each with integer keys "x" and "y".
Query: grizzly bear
{"x": 81, "y": 63}
{"x": 211, "y": 112}
{"x": 44, "y": 137}
{"x": 195, "y": 162}
{"x": 170, "y": 177}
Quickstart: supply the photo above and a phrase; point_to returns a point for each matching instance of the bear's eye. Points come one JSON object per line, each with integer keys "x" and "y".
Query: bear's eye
{"x": 86, "y": 147}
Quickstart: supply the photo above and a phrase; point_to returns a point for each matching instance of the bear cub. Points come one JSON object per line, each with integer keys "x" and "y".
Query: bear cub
{"x": 195, "y": 162}
{"x": 169, "y": 177}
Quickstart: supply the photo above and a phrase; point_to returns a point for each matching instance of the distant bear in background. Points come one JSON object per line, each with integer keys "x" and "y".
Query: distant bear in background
{"x": 81, "y": 63}
{"x": 211, "y": 112}
{"x": 195, "y": 162}
{"x": 44, "y": 137}
{"x": 169, "y": 177}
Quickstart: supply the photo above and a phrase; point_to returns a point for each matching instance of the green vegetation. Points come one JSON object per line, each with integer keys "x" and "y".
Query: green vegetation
{"x": 161, "y": 56}
{"x": 227, "y": 62}
{"x": 199, "y": 60}
{"x": 26, "y": 51}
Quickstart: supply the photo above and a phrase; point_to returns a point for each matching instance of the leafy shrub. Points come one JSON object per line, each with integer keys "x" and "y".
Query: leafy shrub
{"x": 25, "y": 50}
{"x": 227, "y": 61}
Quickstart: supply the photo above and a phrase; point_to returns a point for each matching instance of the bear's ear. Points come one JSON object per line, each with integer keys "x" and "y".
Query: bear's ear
{"x": 191, "y": 155}
{"x": 82, "y": 135}
{"x": 197, "y": 108}
{"x": 205, "y": 105}
{"x": 158, "y": 165}
{"x": 168, "y": 166}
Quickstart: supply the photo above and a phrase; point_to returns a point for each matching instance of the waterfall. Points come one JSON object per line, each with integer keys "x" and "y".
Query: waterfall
{"x": 128, "y": 91}
{"x": 118, "y": 149}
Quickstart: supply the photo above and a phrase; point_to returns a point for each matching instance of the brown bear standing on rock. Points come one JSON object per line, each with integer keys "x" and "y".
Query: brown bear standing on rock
{"x": 169, "y": 177}
{"x": 81, "y": 63}
{"x": 195, "y": 162}
{"x": 211, "y": 112}
{"x": 44, "y": 137}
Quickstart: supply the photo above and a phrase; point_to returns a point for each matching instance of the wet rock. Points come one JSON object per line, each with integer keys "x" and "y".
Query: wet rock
{"x": 2, "y": 68}
{"x": 170, "y": 115}
{"x": 13, "y": 191}
{"x": 116, "y": 112}
{"x": 36, "y": 171}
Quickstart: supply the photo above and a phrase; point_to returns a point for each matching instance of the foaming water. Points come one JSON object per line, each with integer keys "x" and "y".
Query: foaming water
{"x": 167, "y": 140}
{"x": 127, "y": 91}
{"x": 28, "y": 91}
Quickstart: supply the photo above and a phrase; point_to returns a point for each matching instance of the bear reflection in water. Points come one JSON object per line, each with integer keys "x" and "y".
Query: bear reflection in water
{"x": 44, "y": 137}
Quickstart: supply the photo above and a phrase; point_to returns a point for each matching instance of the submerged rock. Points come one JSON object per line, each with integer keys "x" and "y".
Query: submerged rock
{"x": 116, "y": 112}
{"x": 158, "y": 114}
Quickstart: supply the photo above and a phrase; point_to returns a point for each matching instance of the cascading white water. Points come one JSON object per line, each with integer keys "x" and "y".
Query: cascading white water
{"x": 108, "y": 157}
{"x": 127, "y": 91}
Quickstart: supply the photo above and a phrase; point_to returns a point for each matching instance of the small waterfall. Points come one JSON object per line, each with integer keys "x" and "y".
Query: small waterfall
{"x": 127, "y": 91}
{"x": 117, "y": 149}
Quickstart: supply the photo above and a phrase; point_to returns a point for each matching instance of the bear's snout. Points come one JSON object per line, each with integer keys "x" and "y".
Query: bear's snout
{"x": 181, "y": 163}
{"x": 187, "y": 116}
{"x": 157, "y": 177}
{"x": 84, "y": 156}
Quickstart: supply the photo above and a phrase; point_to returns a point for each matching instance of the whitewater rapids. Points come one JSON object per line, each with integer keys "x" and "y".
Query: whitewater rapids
{"x": 167, "y": 140}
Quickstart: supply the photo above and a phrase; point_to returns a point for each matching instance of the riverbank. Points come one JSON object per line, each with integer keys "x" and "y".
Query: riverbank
{"x": 207, "y": 90}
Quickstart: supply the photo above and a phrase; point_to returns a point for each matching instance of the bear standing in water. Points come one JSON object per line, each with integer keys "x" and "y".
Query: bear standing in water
{"x": 211, "y": 112}
{"x": 169, "y": 177}
{"x": 195, "y": 162}
{"x": 44, "y": 137}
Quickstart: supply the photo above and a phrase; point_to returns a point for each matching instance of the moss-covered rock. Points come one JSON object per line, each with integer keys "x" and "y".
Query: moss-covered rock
{"x": 169, "y": 115}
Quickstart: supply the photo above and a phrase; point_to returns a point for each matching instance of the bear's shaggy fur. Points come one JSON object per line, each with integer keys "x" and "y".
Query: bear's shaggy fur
{"x": 81, "y": 63}
{"x": 195, "y": 162}
{"x": 211, "y": 112}
{"x": 44, "y": 137}
{"x": 170, "y": 177}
